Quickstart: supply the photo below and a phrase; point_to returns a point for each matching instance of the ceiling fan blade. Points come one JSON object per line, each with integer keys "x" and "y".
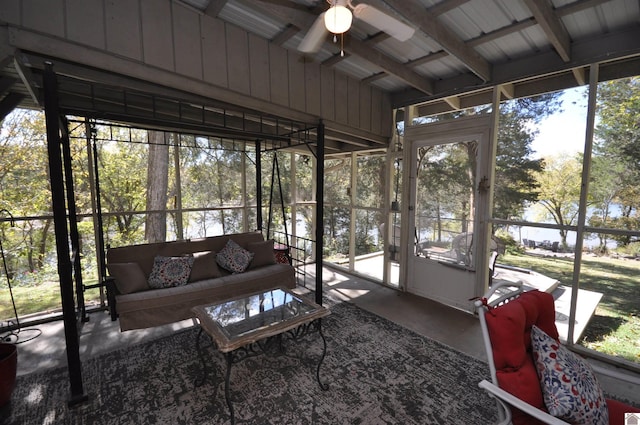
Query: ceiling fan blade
{"x": 376, "y": 18}
{"x": 314, "y": 38}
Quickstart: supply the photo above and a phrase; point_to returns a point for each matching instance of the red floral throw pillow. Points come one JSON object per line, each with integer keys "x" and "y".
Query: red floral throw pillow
{"x": 234, "y": 258}
{"x": 170, "y": 271}
{"x": 570, "y": 389}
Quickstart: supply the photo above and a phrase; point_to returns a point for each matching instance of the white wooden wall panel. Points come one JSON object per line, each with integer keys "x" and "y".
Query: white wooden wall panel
{"x": 296, "y": 82}
{"x": 341, "y": 94}
{"x": 123, "y": 28}
{"x": 376, "y": 116}
{"x": 353, "y": 103}
{"x": 312, "y": 87}
{"x": 10, "y": 12}
{"x": 91, "y": 14}
{"x": 383, "y": 111}
{"x": 238, "y": 59}
{"x": 327, "y": 85}
{"x": 365, "y": 107}
{"x": 279, "y": 75}
{"x": 157, "y": 33}
{"x": 187, "y": 43}
{"x": 51, "y": 22}
{"x": 214, "y": 52}
{"x": 259, "y": 66}
{"x": 169, "y": 36}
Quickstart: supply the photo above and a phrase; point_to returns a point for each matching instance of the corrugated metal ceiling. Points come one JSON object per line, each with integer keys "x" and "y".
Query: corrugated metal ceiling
{"x": 459, "y": 46}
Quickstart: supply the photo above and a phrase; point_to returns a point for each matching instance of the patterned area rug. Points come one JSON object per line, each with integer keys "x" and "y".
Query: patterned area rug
{"x": 378, "y": 373}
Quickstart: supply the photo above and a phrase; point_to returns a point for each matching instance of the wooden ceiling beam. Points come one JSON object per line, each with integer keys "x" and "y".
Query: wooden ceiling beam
{"x": 602, "y": 49}
{"x": 6, "y": 83}
{"x": 25, "y": 75}
{"x": 214, "y": 7}
{"x": 415, "y": 13}
{"x": 578, "y": 6}
{"x": 389, "y": 65}
{"x": 552, "y": 26}
{"x": 285, "y": 35}
{"x": 580, "y": 75}
{"x": 375, "y": 77}
{"x": 9, "y": 103}
{"x": 445, "y": 6}
{"x": 335, "y": 59}
{"x": 502, "y": 32}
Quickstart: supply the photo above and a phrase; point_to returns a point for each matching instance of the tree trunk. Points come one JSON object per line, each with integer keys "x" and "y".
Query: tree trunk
{"x": 42, "y": 247}
{"x": 157, "y": 184}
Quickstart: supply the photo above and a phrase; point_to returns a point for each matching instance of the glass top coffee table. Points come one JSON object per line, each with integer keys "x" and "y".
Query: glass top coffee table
{"x": 255, "y": 324}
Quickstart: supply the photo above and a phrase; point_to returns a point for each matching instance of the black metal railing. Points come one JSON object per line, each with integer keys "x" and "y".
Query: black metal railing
{"x": 300, "y": 252}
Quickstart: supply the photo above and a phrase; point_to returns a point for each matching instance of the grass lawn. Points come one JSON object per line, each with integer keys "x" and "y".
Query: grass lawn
{"x": 36, "y": 299}
{"x": 615, "y": 327}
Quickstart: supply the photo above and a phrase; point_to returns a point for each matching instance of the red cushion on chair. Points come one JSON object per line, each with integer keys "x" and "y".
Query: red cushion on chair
{"x": 617, "y": 411}
{"x": 510, "y": 331}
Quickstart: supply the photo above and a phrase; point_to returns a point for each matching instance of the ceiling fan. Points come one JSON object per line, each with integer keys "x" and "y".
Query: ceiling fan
{"x": 337, "y": 20}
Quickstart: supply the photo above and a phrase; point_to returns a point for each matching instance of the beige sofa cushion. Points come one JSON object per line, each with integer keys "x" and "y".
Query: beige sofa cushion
{"x": 262, "y": 253}
{"x": 144, "y": 254}
{"x": 158, "y": 307}
{"x": 204, "y": 266}
{"x": 129, "y": 277}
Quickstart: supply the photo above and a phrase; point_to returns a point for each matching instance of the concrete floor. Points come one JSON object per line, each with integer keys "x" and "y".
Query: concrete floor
{"x": 452, "y": 327}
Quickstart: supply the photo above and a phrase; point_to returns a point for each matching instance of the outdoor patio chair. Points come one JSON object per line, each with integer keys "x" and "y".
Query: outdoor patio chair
{"x": 507, "y": 318}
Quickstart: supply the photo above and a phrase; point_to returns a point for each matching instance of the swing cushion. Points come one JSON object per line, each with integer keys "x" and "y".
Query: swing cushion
{"x": 129, "y": 277}
{"x": 262, "y": 254}
{"x": 204, "y": 266}
{"x": 155, "y": 307}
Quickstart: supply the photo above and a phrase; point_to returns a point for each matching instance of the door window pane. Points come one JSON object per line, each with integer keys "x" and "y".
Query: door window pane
{"x": 445, "y": 197}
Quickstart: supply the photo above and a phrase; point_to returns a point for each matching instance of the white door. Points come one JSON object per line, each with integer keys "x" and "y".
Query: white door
{"x": 448, "y": 206}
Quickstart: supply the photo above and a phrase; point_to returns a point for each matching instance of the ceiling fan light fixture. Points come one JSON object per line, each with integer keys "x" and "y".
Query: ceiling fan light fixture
{"x": 338, "y": 18}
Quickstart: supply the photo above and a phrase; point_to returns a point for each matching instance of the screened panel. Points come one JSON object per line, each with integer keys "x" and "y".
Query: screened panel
{"x": 444, "y": 208}
{"x": 370, "y": 181}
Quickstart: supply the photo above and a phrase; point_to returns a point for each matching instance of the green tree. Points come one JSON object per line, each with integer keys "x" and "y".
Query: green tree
{"x": 515, "y": 183}
{"x": 212, "y": 178}
{"x": 24, "y": 188}
{"x": 337, "y": 217}
{"x": 516, "y": 169}
{"x": 444, "y": 183}
{"x": 123, "y": 194}
{"x": 559, "y": 193}
{"x": 617, "y": 145}
{"x": 604, "y": 190}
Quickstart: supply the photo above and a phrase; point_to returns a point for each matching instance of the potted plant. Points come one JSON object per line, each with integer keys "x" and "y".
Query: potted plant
{"x": 8, "y": 368}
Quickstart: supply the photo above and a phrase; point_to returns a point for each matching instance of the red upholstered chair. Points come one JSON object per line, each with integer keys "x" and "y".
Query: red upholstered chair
{"x": 506, "y": 324}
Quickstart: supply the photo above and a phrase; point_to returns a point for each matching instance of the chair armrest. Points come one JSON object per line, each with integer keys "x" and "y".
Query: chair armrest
{"x": 503, "y": 396}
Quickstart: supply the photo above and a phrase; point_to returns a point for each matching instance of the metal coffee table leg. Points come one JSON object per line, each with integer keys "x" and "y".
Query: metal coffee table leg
{"x": 200, "y": 381}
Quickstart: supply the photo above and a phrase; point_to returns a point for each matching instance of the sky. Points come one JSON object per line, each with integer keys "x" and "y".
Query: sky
{"x": 564, "y": 132}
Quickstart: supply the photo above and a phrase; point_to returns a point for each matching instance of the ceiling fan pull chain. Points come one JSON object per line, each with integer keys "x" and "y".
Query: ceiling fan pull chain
{"x": 342, "y": 45}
